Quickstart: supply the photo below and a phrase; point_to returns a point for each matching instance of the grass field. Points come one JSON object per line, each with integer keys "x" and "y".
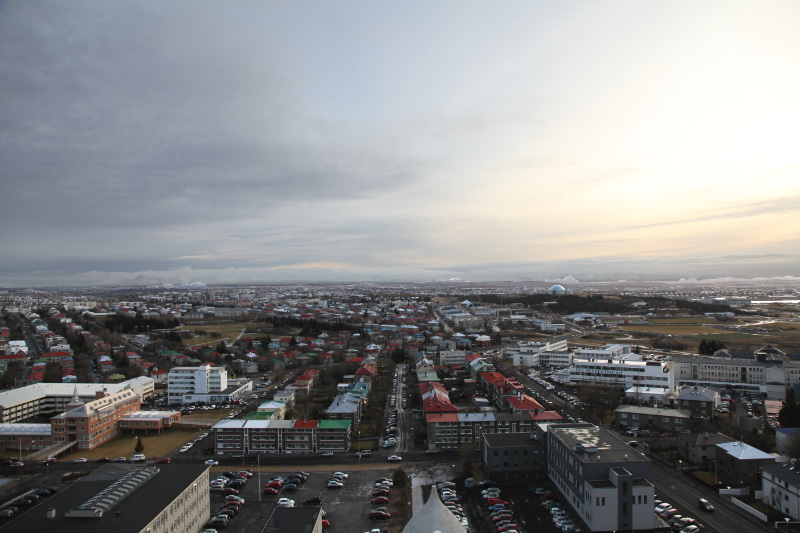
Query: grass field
{"x": 211, "y": 414}
{"x": 678, "y": 329}
{"x": 123, "y": 446}
{"x": 728, "y": 336}
{"x": 226, "y": 332}
{"x": 687, "y": 320}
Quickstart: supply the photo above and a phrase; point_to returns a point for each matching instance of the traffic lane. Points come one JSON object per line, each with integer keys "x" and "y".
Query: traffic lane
{"x": 672, "y": 486}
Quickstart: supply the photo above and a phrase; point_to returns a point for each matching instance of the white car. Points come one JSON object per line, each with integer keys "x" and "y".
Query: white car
{"x": 285, "y": 502}
{"x": 79, "y": 460}
{"x": 394, "y": 458}
{"x": 333, "y": 484}
{"x": 340, "y": 474}
{"x": 663, "y": 507}
{"x": 212, "y": 462}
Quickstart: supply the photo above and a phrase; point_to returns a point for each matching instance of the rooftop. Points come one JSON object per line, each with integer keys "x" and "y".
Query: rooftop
{"x": 604, "y": 444}
{"x": 130, "y": 515}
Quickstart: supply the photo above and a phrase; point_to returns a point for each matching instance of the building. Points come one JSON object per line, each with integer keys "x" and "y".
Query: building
{"x": 252, "y": 437}
{"x": 44, "y": 399}
{"x": 295, "y": 519}
{"x": 626, "y": 372}
{"x": 149, "y": 422}
{"x": 739, "y": 464}
{"x": 605, "y": 481}
{"x": 127, "y": 499}
{"x": 758, "y": 372}
{"x": 93, "y": 423}
{"x": 780, "y": 487}
{"x": 202, "y": 384}
{"x": 529, "y": 353}
{"x": 453, "y": 358}
{"x": 460, "y": 430}
{"x": 651, "y": 418}
{"x": 27, "y": 437}
{"x": 513, "y": 457}
{"x": 274, "y": 410}
{"x": 701, "y": 402}
{"x": 700, "y": 448}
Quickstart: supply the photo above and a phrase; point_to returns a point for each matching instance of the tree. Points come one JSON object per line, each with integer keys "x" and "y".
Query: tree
{"x": 708, "y": 347}
{"x": 139, "y": 445}
{"x": 789, "y": 415}
{"x": 792, "y": 446}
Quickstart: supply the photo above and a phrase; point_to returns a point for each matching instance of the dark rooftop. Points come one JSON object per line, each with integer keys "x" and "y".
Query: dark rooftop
{"x": 293, "y": 519}
{"x": 132, "y": 514}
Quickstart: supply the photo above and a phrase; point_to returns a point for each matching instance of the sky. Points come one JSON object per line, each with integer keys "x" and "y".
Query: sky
{"x": 265, "y": 141}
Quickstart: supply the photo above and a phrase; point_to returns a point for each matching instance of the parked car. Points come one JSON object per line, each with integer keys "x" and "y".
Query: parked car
{"x": 269, "y": 491}
{"x": 379, "y": 515}
{"x": 326, "y": 454}
{"x": 315, "y": 500}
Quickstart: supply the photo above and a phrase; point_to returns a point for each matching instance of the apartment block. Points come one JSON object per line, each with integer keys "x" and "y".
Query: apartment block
{"x": 605, "y": 481}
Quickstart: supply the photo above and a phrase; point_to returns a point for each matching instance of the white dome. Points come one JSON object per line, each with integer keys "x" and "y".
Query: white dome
{"x": 557, "y": 288}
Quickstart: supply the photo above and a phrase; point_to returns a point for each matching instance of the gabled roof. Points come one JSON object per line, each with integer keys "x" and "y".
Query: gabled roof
{"x": 524, "y": 403}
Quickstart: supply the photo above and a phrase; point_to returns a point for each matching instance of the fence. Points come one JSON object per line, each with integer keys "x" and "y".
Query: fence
{"x": 741, "y": 505}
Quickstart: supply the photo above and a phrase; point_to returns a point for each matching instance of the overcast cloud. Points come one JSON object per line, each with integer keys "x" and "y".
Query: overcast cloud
{"x": 264, "y": 141}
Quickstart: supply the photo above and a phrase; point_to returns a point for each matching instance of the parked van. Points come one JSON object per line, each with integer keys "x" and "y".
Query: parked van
{"x": 138, "y": 458}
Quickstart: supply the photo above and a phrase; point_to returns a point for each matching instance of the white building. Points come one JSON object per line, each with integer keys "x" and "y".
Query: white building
{"x": 453, "y": 358}
{"x": 527, "y": 353}
{"x": 42, "y": 399}
{"x": 204, "y": 384}
{"x": 780, "y": 486}
{"x": 618, "y": 372}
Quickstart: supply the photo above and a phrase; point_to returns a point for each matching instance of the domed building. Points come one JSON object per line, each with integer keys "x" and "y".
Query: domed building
{"x": 557, "y": 290}
{"x": 434, "y": 517}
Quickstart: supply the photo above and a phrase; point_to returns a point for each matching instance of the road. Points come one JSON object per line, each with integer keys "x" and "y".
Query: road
{"x": 682, "y": 492}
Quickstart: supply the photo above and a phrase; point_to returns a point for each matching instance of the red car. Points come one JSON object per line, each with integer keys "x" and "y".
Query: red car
{"x": 379, "y": 500}
{"x": 275, "y": 484}
{"x": 325, "y": 524}
{"x": 163, "y": 461}
{"x": 270, "y": 491}
{"x": 377, "y": 493}
{"x": 228, "y": 490}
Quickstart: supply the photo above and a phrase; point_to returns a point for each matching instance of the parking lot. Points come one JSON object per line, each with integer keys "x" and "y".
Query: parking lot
{"x": 346, "y": 508}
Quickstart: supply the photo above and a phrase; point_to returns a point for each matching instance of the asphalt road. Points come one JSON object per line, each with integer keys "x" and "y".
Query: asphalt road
{"x": 674, "y": 487}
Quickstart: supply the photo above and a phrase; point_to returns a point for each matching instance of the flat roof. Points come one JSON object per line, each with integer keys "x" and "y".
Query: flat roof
{"x": 135, "y": 511}
{"x": 36, "y": 391}
{"x": 24, "y": 429}
{"x": 610, "y": 447}
{"x": 294, "y": 519}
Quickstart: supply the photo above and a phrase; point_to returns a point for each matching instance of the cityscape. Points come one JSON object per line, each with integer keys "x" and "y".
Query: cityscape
{"x": 418, "y": 267}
